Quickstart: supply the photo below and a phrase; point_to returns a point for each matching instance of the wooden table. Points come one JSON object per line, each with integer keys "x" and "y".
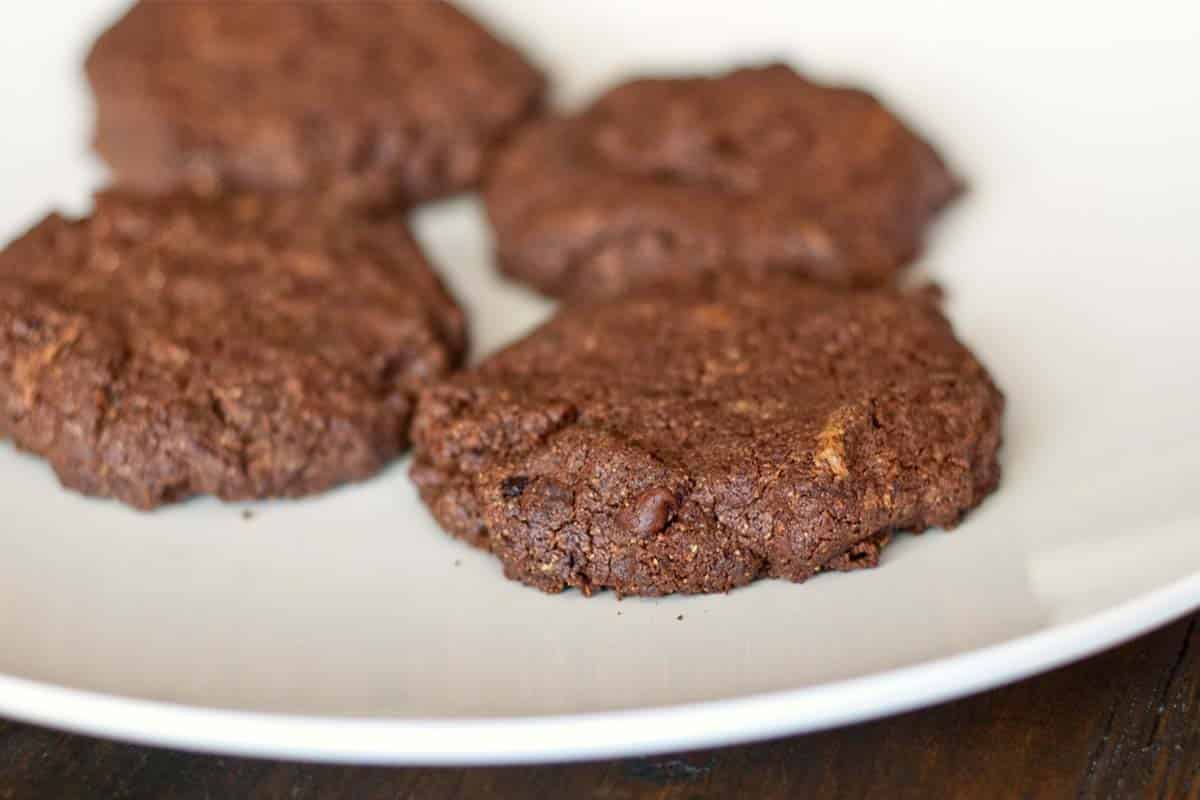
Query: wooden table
{"x": 1125, "y": 723}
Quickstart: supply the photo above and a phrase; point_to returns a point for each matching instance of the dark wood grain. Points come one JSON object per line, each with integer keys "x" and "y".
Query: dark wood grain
{"x": 1123, "y": 724}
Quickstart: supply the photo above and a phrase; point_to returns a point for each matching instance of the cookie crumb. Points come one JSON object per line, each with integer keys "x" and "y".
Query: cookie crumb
{"x": 680, "y": 618}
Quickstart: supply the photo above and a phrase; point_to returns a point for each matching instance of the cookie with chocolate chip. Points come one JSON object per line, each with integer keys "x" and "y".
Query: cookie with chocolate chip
{"x": 698, "y": 436}
{"x": 383, "y": 103}
{"x": 760, "y": 170}
{"x": 245, "y": 347}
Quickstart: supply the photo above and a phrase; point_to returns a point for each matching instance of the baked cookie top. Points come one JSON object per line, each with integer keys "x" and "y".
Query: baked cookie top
{"x": 246, "y": 346}
{"x": 380, "y": 102}
{"x": 759, "y": 168}
{"x": 692, "y": 438}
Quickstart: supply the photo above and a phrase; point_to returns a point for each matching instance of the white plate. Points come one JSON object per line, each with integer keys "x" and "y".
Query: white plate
{"x": 347, "y": 627}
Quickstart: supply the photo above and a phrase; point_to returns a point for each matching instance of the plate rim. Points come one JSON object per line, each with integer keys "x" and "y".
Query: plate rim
{"x": 478, "y": 741}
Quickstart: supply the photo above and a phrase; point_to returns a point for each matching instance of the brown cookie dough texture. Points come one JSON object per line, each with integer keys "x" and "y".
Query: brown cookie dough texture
{"x": 381, "y": 103}
{"x": 761, "y": 168}
{"x": 245, "y": 347}
{"x": 697, "y": 437}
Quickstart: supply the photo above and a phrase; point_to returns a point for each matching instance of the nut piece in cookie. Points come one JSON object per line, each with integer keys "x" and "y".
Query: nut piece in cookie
{"x": 246, "y": 346}
{"x": 759, "y": 170}
{"x": 383, "y": 104}
{"x": 695, "y": 437}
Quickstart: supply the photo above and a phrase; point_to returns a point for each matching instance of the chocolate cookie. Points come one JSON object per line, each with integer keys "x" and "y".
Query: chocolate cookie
{"x": 761, "y": 168}
{"x": 245, "y": 347}
{"x": 381, "y": 103}
{"x": 693, "y": 438}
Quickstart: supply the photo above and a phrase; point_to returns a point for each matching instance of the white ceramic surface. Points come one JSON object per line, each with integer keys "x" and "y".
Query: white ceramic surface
{"x": 347, "y": 627}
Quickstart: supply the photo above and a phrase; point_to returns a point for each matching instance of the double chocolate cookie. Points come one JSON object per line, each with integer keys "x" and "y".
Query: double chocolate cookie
{"x": 760, "y": 168}
{"x": 695, "y": 437}
{"x": 246, "y": 347}
{"x": 381, "y": 103}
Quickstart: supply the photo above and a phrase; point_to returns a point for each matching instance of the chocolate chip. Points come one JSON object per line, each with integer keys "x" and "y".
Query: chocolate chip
{"x": 513, "y": 486}
{"x": 649, "y": 513}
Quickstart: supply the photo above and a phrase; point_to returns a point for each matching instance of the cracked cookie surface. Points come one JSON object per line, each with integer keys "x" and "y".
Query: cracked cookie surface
{"x": 759, "y": 168}
{"x": 246, "y": 347}
{"x": 390, "y": 104}
{"x": 696, "y": 437}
